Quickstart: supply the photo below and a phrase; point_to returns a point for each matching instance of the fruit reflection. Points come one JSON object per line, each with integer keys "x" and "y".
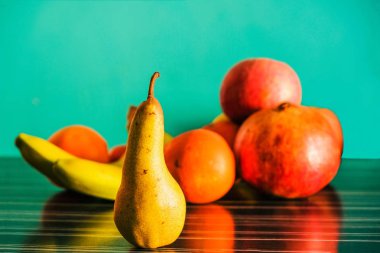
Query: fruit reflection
{"x": 208, "y": 228}
{"x": 251, "y": 221}
{"x": 315, "y": 222}
{"x": 306, "y": 225}
{"x": 75, "y": 221}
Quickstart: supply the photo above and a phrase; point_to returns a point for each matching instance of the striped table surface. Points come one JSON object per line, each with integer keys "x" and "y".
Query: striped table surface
{"x": 36, "y": 216}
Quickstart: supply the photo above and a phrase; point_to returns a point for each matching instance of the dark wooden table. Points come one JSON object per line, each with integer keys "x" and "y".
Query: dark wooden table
{"x": 36, "y": 216}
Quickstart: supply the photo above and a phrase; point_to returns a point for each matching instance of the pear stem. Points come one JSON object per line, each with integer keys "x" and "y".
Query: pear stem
{"x": 151, "y": 85}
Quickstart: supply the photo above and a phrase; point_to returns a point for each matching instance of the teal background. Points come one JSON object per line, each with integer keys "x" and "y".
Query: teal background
{"x": 85, "y": 62}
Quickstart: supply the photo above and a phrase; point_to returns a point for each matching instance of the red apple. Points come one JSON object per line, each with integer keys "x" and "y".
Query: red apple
{"x": 335, "y": 124}
{"x": 291, "y": 151}
{"x": 256, "y": 84}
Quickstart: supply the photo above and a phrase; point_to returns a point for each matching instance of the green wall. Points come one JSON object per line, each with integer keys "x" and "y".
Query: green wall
{"x": 85, "y": 62}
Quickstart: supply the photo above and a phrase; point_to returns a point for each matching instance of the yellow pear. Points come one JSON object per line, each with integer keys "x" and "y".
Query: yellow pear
{"x": 150, "y": 207}
{"x": 131, "y": 113}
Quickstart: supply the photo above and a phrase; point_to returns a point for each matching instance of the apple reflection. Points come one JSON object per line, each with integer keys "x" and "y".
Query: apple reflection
{"x": 267, "y": 223}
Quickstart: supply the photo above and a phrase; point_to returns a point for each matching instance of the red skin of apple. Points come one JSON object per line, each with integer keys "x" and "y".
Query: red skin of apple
{"x": 335, "y": 124}
{"x": 256, "y": 84}
{"x": 291, "y": 151}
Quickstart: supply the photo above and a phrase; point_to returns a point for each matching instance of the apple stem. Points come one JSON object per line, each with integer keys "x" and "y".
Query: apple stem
{"x": 151, "y": 85}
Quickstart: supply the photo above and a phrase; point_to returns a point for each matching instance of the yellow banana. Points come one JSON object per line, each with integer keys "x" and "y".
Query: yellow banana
{"x": 119, "y": 162}
{"x": 89, "y": 177}
{"x": 68, "y": 171}
{"x": 41, "y": 154}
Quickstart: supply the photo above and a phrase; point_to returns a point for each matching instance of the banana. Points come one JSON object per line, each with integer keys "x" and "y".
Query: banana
{"x": 41, "y": 154}
{"x": 89, "y": 177}
{"x": 119, "y": 162}
{"x": 68, "y": 171}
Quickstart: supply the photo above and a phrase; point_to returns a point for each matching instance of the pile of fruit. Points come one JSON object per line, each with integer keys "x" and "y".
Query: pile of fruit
{"x": 264, "y": 136}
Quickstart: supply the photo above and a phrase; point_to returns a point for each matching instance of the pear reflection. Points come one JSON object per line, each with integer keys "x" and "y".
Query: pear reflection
{"x": 207, "y": 228}
{"x": 72, "y": 221}
{"x": 306, "y": 225}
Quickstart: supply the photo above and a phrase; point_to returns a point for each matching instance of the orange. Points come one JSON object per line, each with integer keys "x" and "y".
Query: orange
{"x": 81, "y": 141}
{"x": 202, "y": 163}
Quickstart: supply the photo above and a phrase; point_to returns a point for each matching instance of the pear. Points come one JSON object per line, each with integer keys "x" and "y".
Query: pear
{"x": 131, "y": 113}
{"x": 150, "y": 207}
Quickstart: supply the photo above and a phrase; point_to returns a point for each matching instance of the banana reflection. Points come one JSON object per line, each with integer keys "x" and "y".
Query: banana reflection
{"x": 73, "y": 221}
